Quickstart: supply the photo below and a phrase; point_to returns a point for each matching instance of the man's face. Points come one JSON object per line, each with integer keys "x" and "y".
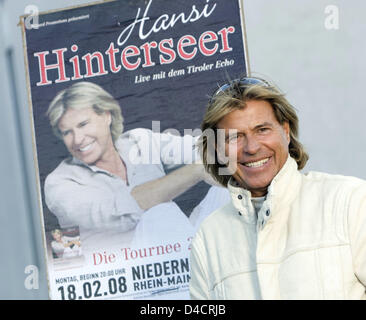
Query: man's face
{"x": 259, "y": 148}
{"x": 86, "y": 134}
{"x": 57, "y": 236}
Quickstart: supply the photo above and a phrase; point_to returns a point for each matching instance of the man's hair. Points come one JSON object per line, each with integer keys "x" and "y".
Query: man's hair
{"x": 234, "y": 97}
{"x": 83, "y": 95}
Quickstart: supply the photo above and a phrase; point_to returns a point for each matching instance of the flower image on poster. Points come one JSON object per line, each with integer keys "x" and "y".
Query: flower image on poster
{"x": 117, "y": 91}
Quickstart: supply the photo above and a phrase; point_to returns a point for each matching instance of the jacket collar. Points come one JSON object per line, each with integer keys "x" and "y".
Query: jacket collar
{"x": 281, "y": 192}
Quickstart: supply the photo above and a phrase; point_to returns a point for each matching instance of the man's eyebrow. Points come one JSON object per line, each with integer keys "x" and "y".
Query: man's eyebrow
{"x": 231, "y": 132}
{"x": 264, "y": 124}
{"x": 83, "y": 121}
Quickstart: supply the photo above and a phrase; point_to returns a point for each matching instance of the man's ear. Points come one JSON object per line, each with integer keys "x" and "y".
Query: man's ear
{"x": 286, "y": 128}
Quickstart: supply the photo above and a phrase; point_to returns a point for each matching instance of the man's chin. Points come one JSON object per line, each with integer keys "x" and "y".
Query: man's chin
{"x": 87, "y": 160}
{"x": 253, "y": 185}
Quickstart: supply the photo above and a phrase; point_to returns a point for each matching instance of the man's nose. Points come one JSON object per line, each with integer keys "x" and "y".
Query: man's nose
{"x": 251, "y": 145}
{"x": 78, "y": 138}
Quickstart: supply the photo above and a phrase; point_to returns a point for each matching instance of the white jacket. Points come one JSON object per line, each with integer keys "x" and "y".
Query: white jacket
{"x": 308, "y": 241}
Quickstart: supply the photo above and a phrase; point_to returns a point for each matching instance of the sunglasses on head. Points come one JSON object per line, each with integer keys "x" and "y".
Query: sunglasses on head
{"x": 240, "y": 82}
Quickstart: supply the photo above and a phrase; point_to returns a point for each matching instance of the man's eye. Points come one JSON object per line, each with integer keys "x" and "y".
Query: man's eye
{"x": 235, "y": 139}
{"x": 83, "y": 124}
{"x": 263, "y": 130}
{"x": 232, "y": 139}
{"x": 65, "y": 133}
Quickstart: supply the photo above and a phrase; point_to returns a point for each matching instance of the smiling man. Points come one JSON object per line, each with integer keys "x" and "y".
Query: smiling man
{"x": 86, "y": 135}
{"x": 285, "y": 235}
{"x": 260, "y": 145}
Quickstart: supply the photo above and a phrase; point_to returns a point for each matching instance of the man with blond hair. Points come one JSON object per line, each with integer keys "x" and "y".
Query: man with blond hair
{"x": 284, "y": 235}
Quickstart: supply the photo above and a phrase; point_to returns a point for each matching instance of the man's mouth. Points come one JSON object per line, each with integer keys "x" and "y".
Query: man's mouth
{"x": 86, "y": 147}
{"x": 256, "y": 164}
